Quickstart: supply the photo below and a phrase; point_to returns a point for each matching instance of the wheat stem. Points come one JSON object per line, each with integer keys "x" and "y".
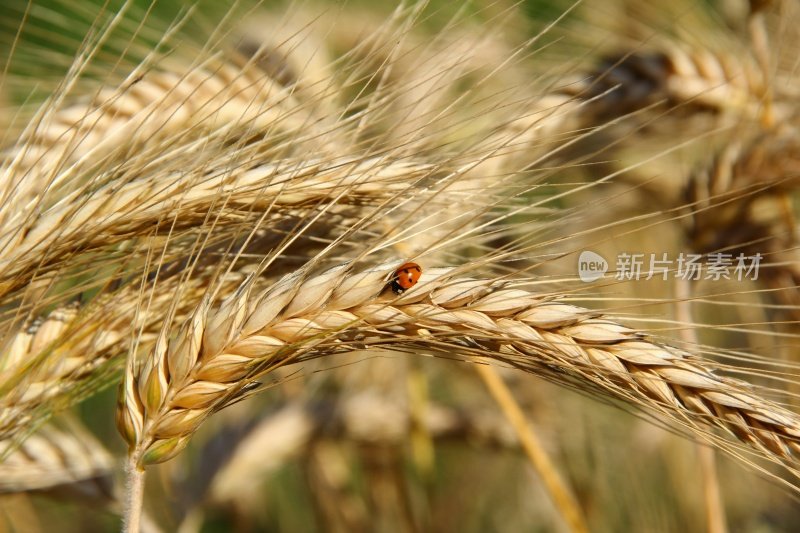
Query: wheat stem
{"x": 134, "y": 497}
{"x": 715, "y": 509}
{"x": 556, "y": 486}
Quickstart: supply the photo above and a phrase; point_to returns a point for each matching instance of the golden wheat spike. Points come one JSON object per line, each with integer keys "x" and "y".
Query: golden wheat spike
{"x": 217, "y": 353}
{"x": 64, "y": 454}
{"x": 694, "y": 79}
{"x": 740, "y": 203}
{"x": 82, "y": 223}
{"x": 153, "y": 107}
{"x": 47, "y": 364}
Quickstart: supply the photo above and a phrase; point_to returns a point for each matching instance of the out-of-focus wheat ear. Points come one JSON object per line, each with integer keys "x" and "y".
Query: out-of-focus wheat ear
{"x": 537, "y": 130}
{"x": 61, "y": 457}
{"x": 35, "y": 337}
{"x": 47, "y": 364}
{"x": 33, "y": 376}
{"x": 307, "y": 316}
{"x": 421, "y": 101}
{"x": 759, "y": 40}
{"x": 740, "y": 204}
{"x": 294, "y": 52}
{"x": 51, "y": 363}
{"x": 694, "y": 79}
{"x": 467, "y": 85}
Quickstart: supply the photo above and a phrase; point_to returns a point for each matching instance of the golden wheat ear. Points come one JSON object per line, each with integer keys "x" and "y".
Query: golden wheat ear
{"x": 741, "y": 203}
{"x": 62, "y": 457}
{"x": 219, "y": 351}
{"x": 694, "y": 80}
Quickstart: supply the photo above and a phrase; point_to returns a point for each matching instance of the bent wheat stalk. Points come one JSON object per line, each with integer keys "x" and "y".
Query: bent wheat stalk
{"x": 218, "y": 353}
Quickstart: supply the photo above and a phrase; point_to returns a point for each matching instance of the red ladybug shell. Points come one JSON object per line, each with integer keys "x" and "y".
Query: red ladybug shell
{"x": 406, "y": 277}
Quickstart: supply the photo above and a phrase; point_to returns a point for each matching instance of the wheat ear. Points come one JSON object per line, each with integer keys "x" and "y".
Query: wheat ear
{"x": 46, "y": 364}
{"x": 57, "y": 456}
{"x": 699, "y": 78}
{"x": 116, "y": 212}
{"x": 740, "y": 203}
{"x": 217, "y": 353}
{"x": 148, "y": 107}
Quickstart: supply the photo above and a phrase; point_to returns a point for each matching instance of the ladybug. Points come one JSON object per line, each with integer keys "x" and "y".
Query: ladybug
{"x": 405, "y": 277}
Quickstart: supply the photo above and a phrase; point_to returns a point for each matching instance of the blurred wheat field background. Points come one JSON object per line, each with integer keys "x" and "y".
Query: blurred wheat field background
{"x": 203, "y": 207}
